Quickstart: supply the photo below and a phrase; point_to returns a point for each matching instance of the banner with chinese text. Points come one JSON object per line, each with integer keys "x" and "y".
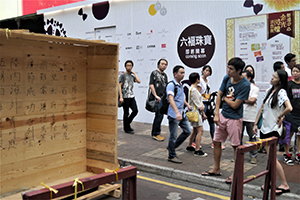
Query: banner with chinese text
{"x": 282, "y": 22}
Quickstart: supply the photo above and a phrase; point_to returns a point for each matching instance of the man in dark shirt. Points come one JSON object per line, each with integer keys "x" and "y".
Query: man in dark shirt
{"x": 157, "y": 84}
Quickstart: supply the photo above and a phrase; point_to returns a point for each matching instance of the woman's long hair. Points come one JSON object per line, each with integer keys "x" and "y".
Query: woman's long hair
{"x": 283, "y": 77}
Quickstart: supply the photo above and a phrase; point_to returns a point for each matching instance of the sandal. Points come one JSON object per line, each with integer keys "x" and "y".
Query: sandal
{"x": 207, "y": 173}
{"x": 282, "y": 191}
{"x": 228, "y": 180}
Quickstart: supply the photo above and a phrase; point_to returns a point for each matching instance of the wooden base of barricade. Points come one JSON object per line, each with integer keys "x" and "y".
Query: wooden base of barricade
{"x": 113, "y": 190}
{"x": 127, "y": 175}
{"x": 270, "y": 173}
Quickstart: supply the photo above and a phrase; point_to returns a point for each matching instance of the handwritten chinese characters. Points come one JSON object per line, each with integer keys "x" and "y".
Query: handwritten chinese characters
{"x": 37, "y": 99}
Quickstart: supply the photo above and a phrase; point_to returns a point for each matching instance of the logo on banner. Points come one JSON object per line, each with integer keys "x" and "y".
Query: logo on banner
{"x": 150, "y": 46}
{"x": 100, "y": 10}
{"x": 54, "y": 27}
{"x": 196, "y": 45}
{"x": 282, "y": 22}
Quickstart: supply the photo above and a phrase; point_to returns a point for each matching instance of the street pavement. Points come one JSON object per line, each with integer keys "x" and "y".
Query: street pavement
{"x": 140, "y": 150}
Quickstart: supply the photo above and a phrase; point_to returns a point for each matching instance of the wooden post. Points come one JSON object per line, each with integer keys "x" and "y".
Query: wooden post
{"x": 129, "y": 188}
{"x": 270, "y": 179}
{"x": 237, "y": 186}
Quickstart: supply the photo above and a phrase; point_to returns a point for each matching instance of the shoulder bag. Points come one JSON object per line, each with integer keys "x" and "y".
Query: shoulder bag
{"x": 151, "y": 105}
{"x": 260, "y": 120}
{"x": 192, "y": 115}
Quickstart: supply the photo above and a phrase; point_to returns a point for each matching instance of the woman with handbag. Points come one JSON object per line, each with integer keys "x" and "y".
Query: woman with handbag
{"x": 195, "y": 101}
{"x": 276, "y": 104}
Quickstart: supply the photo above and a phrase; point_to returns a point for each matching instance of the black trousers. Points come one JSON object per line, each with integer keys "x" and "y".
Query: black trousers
{"x": 127, "y": 118}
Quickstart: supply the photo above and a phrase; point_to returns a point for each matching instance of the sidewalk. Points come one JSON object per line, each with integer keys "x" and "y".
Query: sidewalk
{"x": 146, "y": 154}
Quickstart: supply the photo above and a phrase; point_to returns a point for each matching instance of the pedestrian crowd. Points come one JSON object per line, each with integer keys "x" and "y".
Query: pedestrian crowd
{"x": 229, "y": 111}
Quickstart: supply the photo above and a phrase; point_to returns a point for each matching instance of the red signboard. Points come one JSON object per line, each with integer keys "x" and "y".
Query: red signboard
{"x": 282, "y": 22}
{"x": 31, "y": 6}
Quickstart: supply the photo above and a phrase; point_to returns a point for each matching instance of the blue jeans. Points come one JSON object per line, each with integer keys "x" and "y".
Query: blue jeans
{"x": 175, "y": 142}
{"x": 156, "y": 126}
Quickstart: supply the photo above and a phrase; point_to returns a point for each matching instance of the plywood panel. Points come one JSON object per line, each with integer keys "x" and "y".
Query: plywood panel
{"x": 110, "y": 49}
{"x": 19, "y": 147}
{"x": 100, "y": 76}
{"x": 101, "y": 155}
{"x": 103, "y": 61}
{"x": 99, "y": 116}
{"x": 23, "y": 60}
{"x": 42, "y": 163}
{"x": 42, "y": 176}
{"x": 106, "y": 126}
{"x": 101, "y": 164}
{"x": 47, "y": 48}
{"x": 101, "y": 146}
{"x": 101, "y": 136}
{"x": 95, "y": 94}
{"x": 94, "y": 108}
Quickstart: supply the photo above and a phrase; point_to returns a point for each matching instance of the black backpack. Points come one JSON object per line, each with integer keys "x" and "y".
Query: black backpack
{"x": 164, "y": 103}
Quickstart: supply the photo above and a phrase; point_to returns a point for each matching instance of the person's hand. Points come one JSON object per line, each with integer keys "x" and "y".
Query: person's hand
{"x": 202, "y": 108}
{"x": 189, "y": 107}
{"x": 217, "y": 119}
{"x": 204, "y": 117}
{"x": 279, "y": 121}
{"x": 255, "y": 129}
{"x": 158, "y": 98}
{"x": 121, "y": 100}
{"x": 178, "y": 116}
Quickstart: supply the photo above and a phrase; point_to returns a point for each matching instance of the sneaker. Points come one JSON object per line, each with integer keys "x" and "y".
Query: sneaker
{"x": 212, "y": 146}
{"x": 297, "y": 158}
{"x": 158, "y": 138}
{"x": 129, "y": 132}
{"x": 190, "y": 148}
{"x": 175, "y": 160}
{"x": 200, "y": 153}
{"x": 253, "y": 161}
{"x": 287, "y": 158}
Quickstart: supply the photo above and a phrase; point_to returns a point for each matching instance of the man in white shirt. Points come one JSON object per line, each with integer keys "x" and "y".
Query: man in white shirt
{"x": 290, "y": 60}
{"x": 249, "y": 115}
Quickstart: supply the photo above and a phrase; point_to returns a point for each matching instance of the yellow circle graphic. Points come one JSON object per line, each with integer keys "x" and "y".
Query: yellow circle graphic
{"x": 152, "y": 10}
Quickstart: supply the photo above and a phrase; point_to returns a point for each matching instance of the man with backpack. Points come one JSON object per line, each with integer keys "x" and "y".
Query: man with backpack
{"x": 176, "y": 114}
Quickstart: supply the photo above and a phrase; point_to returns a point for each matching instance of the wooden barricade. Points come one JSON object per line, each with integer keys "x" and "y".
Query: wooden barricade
{"x": 58, "y": 108}
{"x": 270, "y": 173}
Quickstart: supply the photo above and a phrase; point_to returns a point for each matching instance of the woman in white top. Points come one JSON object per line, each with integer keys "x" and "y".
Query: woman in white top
{"x": 276, "y": 104}
{"x": 205, "y": 92}
{"x": 195, "y": 101}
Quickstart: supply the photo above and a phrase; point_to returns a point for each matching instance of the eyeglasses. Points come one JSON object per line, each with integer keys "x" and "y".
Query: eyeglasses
{"x": 293, "y": 60}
